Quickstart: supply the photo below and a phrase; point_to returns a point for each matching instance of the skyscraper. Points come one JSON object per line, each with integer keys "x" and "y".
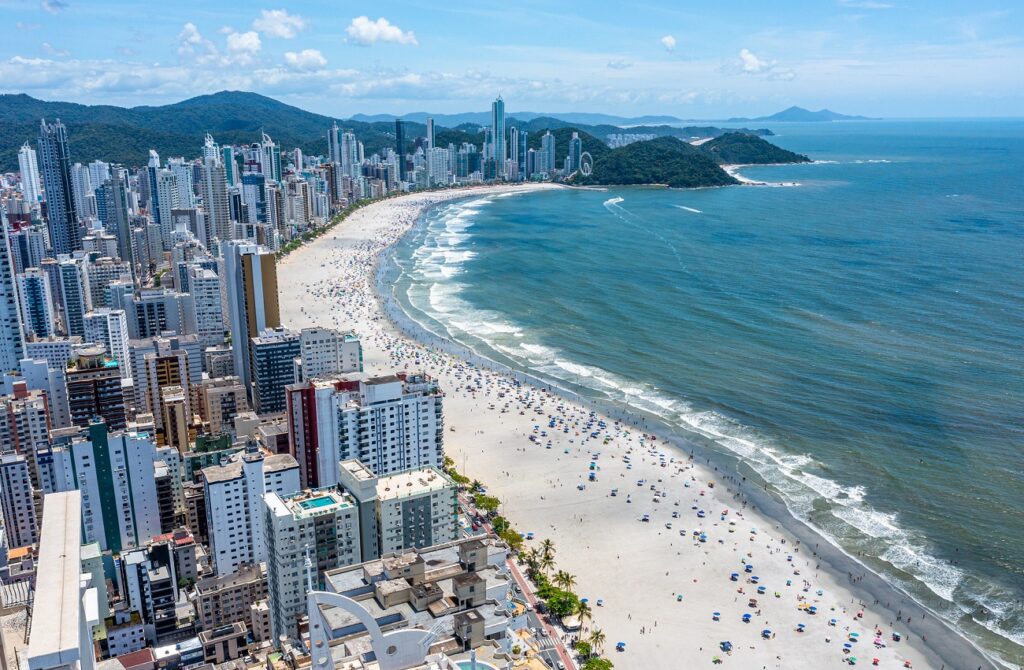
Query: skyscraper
{"x": 36, "y": 304}
{"x": 333, "y": 144}
{"x": 215, "y": 199}
{"x": 498, "y": 135}
{"x": 575, "y": 153}
{"x": 430, "y": 133}
{"x": 270, "y": 159}
{"x": 12, "y": 342}
{"x": 400, "y": 147}
{"x": 349, "y": 154}
{"x": 55, "y": 164}
{"x": 115, "y": 192}
{"x": 250, "y": 274}
{"x": 29, "y": 167}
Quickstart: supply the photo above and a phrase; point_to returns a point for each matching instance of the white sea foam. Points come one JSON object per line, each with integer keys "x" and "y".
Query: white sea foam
{"x": 689, "y": 209}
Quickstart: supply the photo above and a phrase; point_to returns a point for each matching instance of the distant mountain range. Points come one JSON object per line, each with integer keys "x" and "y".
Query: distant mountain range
{"x": 801, "y": 115}
{"x": 484, "y": 118}
{"x": 125, "y": 135}
{"x": 791, "y": 114}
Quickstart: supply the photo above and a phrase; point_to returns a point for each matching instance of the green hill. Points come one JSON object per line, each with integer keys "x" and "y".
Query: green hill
{"x": 739, "y": 148}
{"x": 124, "y": 135}
{"x": 663, "y": 160}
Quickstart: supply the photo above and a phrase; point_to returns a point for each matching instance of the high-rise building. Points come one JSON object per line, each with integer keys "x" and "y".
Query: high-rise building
{"x": 250, "y": 276}
{"x": 29, "y": 169}
{"x": 17, "y": 501}
{"x": 547, "y": 150}
{"x": 270, "y": 159}
{"x": 25, "y": 423}
{"x": 94, "y": 389}
{"x": 28, "y": 248}
{"x": 109, "y": 327}
{"x": 37, "y": 309}
{"x": 349, "y": 154}
{"x": 498, "y": 135}
{"x": 62, "y": 642}
{"x": 118, "y": 222}
{"x": 215, "y": 200}
{"x": 410, "y": 509}
{"x": 205, "y": 288}
{"x": 99, "y": 275}
{"x": 81, "y": 190}
{"x": 221, "y": 399}
{"x": 235, "y": 516}
{"x": 389, "y": 423}
{"x": 430, "y": 133}
{"x": 114, "y": 472}
{"x": 400, "y": 148}
{"x": 325, "y": 351}
{"x": 333, "y": 143}
{"x": 320, "y": 526}
{"x": 575, "y": 154}
{"x": 272, "y": 367}
{"x": 12, "y": 338}
{"x": 74, "y": 295}
{"x": 159, "y": 362}
{"x": 55, "y": 166}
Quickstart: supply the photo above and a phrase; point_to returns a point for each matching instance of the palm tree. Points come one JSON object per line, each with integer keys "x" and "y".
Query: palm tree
{"x": 547, "y": 549}
{"x": 564, "y": 580}
{"x": 547, "y": 562}
{"x": 475, "y": 486}
{"x": 583, "y": 611}
{"x": 597, "y": 640}
{"x": 532, "y": 560}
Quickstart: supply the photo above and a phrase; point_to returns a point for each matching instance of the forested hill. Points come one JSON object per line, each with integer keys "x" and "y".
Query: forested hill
{"x": 738, "y": 148}
{"x": 664, "y": 160}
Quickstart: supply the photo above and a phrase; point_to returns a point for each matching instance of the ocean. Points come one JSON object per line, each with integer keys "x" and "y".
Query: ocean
{"x": 855, "y": 343}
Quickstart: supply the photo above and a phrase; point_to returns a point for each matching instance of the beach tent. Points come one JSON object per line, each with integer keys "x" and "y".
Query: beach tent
{"x": 725, "y": 646}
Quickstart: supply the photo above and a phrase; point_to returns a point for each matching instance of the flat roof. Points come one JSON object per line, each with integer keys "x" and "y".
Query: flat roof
{"x": 412, "y": 482}
{"x": 233, "y": 469}
{"x": 53, "y": 640}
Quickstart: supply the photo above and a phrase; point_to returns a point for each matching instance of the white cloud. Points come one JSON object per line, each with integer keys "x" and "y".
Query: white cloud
{"x": 365, "y": 32}
{"x": 243, "y": 47}
{"x": 51, "y": 50}
{"x": 21, "y": 25}
{"x": 279, "y": 23}
{"x": 751, "y": 64}
{"x": 307, "y": 59}
{"x": 619, "y": 64}
{"x": 53, "y": 6}
{"x": 669, "y": 42}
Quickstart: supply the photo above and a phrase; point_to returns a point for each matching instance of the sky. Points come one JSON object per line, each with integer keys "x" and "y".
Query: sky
{"x": 888, "y": 58}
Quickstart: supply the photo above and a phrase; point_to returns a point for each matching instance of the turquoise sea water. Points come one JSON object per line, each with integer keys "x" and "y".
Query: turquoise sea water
{"x": 857, "y": 340}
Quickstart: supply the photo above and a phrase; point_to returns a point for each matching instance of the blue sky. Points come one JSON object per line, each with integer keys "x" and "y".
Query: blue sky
{"x": 689, "y": 59}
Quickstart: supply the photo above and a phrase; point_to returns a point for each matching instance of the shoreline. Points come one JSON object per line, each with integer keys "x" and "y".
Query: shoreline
{"x": 734, "y": 172}
{"x": 944, "y": 644}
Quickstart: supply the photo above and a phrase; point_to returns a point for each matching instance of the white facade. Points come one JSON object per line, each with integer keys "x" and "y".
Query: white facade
{"x": 64, "y": 602}
{"x": 12, "y": 341}
{"x": 109, "y": 327}
{"x": 205, "y": 288}
{"x": 113, "y": 471}
{"x": 388, "y": 423}
{"x": 234, "y": 505}
{"x": 323, "y": 525}
{"x": 16, "y": 501}
{"x": 28, "y": 164}
{"x": 324, "y": 351}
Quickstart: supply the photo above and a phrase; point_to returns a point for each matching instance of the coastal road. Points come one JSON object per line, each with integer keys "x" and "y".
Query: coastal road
{"x": 554, "y": 649}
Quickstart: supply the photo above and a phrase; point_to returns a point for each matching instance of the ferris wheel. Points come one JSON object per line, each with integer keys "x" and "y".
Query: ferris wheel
{"x": 586, "y": 164}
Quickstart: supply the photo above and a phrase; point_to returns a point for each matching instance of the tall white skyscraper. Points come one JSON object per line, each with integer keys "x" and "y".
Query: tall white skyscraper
{"x": 81, "y": 189}
{"x": 349, "y": 154}
{"x": 498, "y": 134}
{"x": 333, "y": 144}
{"x": 430, "y": 133}
{"x": 12, "y": 341}
{"x": 55, "y": 168}
{"x": 29, "y": 167}
{"x": 109, "y": 327}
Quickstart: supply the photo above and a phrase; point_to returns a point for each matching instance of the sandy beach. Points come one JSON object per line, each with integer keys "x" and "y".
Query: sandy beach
{"x": 734, "y": 172}
{"x": 704, "y": 549}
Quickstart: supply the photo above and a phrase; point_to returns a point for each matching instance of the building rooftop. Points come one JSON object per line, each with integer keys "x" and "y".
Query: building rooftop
{"x": 55, "y": 636}
{"x": 233, "y": 468}
{"x": 412, "y": 482}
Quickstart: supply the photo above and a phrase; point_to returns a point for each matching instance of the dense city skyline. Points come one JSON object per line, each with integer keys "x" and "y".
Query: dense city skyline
{"x": 856, "y": 56}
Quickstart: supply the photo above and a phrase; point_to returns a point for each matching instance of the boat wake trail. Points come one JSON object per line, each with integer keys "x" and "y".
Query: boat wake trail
{"x": 688, "y": 209}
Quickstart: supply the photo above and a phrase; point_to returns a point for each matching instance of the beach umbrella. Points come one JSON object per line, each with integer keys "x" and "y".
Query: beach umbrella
{"x": 847, "y": 646}
{"x": 715, "y": 616}
{"x": 766, "y": 633}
